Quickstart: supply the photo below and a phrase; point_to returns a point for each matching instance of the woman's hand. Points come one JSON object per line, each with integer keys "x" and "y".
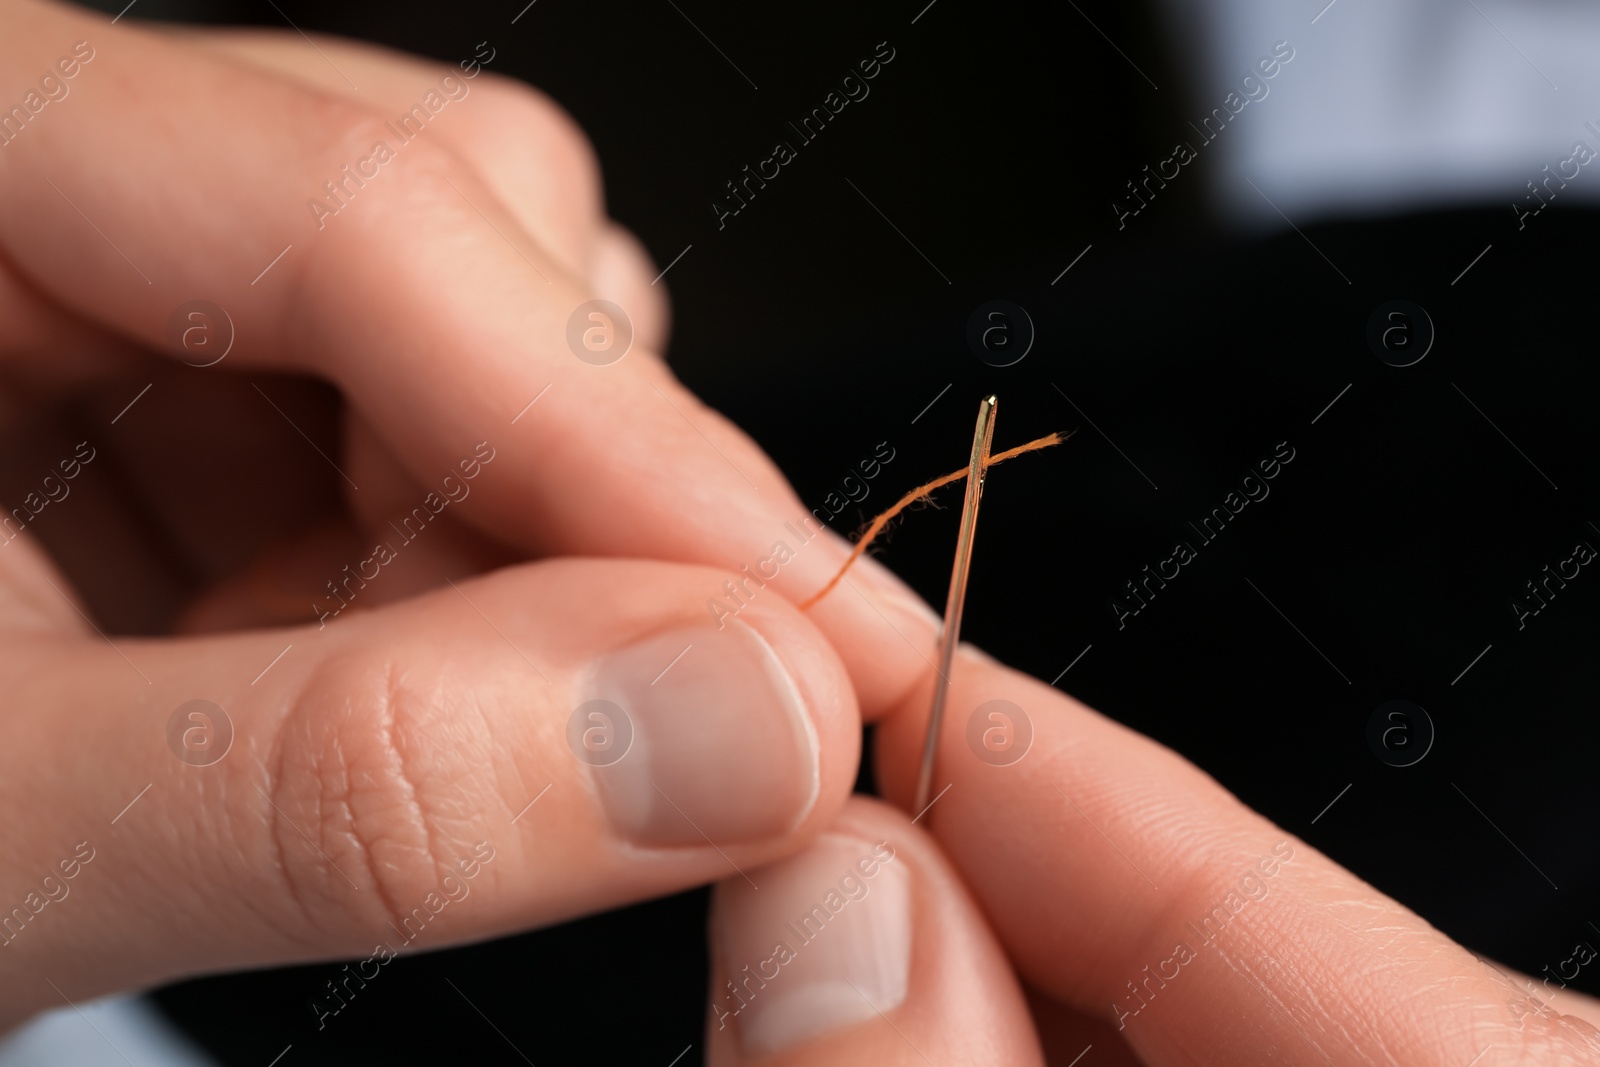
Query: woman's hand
{"x": 358, "y": 773}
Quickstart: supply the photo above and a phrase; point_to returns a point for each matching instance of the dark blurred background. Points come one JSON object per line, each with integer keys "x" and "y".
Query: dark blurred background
{"x": 832, "y": 314}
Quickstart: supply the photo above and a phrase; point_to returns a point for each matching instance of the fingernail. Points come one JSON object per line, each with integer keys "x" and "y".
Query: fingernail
{"x": 825, "y": 943}
{"x": 721, "y": 747}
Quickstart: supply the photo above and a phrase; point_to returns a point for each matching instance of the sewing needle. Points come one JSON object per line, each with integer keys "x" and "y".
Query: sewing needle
{"x": 982, "y": 435}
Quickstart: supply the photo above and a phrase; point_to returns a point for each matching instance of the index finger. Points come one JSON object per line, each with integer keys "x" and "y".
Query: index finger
{"x": 1126, "y": 882}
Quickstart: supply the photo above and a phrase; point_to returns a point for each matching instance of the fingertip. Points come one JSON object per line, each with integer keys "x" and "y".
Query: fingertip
{"x": 862, "y": 949}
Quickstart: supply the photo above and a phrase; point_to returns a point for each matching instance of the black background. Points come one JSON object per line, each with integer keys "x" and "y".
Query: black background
{"x": 995, "y": 141}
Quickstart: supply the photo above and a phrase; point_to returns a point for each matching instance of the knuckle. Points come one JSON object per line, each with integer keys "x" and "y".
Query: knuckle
{"x": 549, "y": 141}
{"x": 365, "y": 811}
{"x": 333, "y": 131}
{"x": 349, "y": 150}
{"x": 386, "y": 184}
{"x": 527, "y": 107}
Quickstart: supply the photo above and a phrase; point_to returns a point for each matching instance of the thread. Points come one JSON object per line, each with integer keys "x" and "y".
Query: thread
{"x": 922, "y": 492}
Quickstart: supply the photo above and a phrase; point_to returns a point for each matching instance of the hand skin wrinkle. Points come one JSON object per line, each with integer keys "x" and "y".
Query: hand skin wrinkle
{"x": 1304, "y": 993}
{"x": 1559, "y": 1037}
{"x": 1377, "y": 1007}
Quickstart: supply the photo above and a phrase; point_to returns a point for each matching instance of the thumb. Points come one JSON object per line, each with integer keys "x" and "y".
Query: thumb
{"x": 551, "y": 740}
{"x": 863, "y": 949}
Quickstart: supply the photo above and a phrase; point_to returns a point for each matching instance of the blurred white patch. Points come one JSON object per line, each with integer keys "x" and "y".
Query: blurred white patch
{"x": 113, "y": 1032}
{"x": 1393, "y": 105}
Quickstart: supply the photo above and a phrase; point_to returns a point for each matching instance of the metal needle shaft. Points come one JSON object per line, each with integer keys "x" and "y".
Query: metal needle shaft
{"x": 982, "y": 435}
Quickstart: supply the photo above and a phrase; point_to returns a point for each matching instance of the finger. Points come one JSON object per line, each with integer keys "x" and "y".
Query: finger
{"x": 529, "y": 152}
{"x": 288, "y": 557}
{"x": 32, "y": 324}
{"x": 370, "y": 759}
{"x": 302, "y": 577}
{"x": 1124, "y": 881}
{"x": 76, "y": 352}
{"x": 622, "y": 271}
{"x": 27, "y": 600}
{"x": 863, "y": 949}
{"x": 424, "y": 300}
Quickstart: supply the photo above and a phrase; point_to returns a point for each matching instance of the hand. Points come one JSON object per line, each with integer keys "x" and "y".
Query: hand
{"x": 1146, "y": 910}
{"x": 392, "y": 717}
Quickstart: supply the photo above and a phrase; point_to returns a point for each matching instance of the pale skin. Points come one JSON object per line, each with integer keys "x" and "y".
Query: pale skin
{"x": 406, "y": 730}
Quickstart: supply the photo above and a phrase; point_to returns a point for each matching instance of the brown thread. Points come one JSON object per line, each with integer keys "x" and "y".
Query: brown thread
{"x": 919, "y": 493}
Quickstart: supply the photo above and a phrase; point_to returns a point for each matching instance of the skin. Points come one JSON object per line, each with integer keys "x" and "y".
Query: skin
{"x": 392, "y": 739}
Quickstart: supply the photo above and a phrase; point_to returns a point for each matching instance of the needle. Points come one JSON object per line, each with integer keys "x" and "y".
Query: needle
{"x": 982, "y": 435}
